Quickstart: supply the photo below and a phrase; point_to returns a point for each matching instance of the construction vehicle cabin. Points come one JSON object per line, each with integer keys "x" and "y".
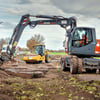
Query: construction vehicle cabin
{"x": 40, "y": 55}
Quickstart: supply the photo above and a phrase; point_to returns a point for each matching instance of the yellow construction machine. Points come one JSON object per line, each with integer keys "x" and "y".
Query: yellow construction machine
{"x": 40, "y": 55}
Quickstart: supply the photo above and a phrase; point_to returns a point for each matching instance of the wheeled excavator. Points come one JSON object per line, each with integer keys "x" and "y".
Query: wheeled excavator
{"x": 81, "y": 44}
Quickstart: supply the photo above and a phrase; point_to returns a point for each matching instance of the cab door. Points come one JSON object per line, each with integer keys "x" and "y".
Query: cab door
{"x": 83, "y": 41}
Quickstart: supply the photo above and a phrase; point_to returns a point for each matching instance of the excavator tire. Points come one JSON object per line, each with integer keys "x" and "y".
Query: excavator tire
{"x": 94, "y": 70}
{"x": 88, "y": 70}
{"x": 80, "y": 65}
{"x": 74, "y": 65}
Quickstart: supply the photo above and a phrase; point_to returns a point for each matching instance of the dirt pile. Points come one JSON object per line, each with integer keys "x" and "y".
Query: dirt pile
{"x": 3, "y": 75}
{"x": 57, "y": 85}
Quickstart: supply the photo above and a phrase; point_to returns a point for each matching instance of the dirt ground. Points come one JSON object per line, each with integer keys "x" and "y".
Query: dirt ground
{"x": 46, "y": 81}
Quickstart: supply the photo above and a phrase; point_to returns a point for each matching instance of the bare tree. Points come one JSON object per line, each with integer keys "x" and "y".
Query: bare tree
{"x": 39, "y": 38}
{"x": 31, "y": 42}
{"x": 4, "y": 41}
{"x": 36, "y": 39}
{"x": 7, "y": 40}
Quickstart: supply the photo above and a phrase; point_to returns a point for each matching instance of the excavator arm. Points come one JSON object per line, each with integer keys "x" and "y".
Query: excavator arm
{"x": 25, "y": 20}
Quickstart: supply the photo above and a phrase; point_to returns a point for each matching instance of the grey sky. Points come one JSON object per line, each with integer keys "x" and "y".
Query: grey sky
{"x": 85, "y": 7}
{"x": 87, "y": 13}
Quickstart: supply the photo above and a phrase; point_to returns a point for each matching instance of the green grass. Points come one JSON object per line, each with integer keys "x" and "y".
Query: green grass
{"x": 51, "y": 53}
{"x": 96, "y": 57}
{"x": 57, "y": 53}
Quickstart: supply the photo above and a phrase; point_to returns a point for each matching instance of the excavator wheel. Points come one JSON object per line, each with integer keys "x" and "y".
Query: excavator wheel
{"x": 94, "y": 70}
{"x": 74, "y": 66}
{"x": 99, "y": 70}
{"x": 48, "y": 58}
{"x": 88, "y": 70}
{"x": 80, "y": 65}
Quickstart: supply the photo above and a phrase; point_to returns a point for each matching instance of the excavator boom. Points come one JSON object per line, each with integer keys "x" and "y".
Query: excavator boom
{"x": 26, "y": 20}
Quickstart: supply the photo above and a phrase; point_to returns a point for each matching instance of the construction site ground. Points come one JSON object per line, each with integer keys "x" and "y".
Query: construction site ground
{"x": 46, "y": 81}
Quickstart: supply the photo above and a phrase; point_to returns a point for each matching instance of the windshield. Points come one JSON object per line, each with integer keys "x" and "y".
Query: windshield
{"x": 82, "y": 37}
{"x": 39, "y": 50}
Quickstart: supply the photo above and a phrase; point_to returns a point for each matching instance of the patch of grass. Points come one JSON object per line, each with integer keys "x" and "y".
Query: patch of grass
{"x": 97, "y": 57}
{"x": 57, "y": 53}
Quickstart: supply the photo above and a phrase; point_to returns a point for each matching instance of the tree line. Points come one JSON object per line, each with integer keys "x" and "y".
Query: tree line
{"x": 36, "y": 39}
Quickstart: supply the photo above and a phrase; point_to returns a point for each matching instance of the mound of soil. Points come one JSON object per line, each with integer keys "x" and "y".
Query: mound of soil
{"x": 3, "y": 74}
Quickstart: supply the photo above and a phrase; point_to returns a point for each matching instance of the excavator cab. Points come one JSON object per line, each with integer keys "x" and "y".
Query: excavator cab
{"x": 83, "y": 42}
{"x": 83, "y": 49}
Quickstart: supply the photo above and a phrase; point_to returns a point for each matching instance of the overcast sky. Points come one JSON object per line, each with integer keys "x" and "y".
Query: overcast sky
{"x": 87, "y": 13}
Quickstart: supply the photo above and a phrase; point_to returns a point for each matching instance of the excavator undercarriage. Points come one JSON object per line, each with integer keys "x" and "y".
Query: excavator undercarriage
{"x": 77, "y": 65}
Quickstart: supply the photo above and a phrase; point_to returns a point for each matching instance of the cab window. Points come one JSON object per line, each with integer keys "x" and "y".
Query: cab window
{"x": 82, "y": 37}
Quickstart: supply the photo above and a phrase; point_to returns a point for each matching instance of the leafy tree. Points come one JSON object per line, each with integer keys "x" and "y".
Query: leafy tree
{"x": 36, "y": 39}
